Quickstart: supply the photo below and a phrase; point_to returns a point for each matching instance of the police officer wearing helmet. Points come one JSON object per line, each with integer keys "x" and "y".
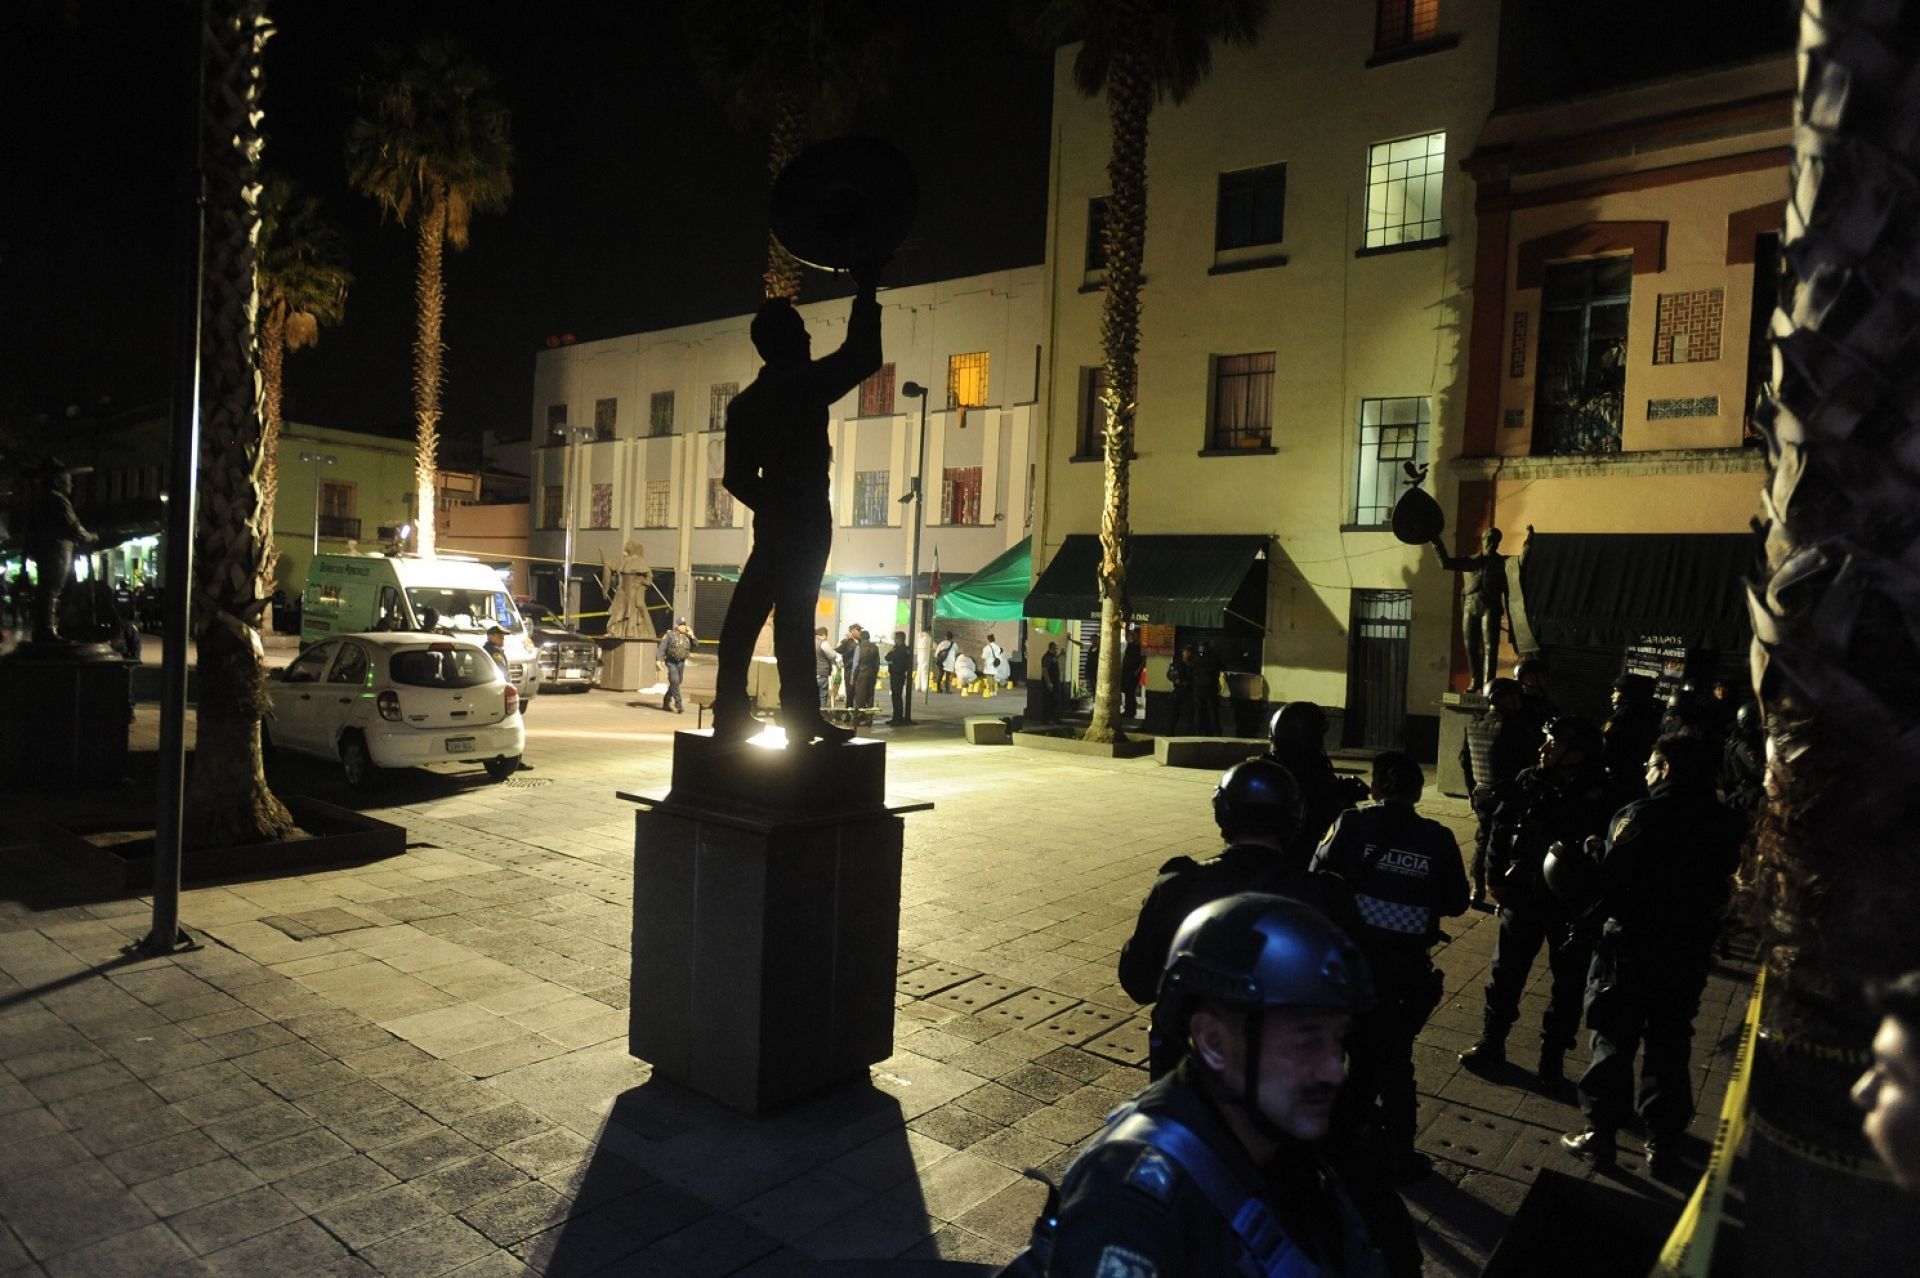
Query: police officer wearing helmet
{"x": 1406, "y": 875}
{"x": 1660, "y": 881}
{"x": 1561, "y": 800}
{"x": 1297, "y": 737}
{"x": 1217, "y": 1167}
{"x": 1257, "y": 807}
{"x": 1500, "y": 741}
{"x": 1630, "y": 732}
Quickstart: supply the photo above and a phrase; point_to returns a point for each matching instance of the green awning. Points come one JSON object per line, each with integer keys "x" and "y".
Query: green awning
{"x": 1172, "y": 580}
{"x": 997, "y": 592}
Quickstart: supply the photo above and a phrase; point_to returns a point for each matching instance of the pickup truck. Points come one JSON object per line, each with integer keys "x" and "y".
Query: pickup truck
{"x": 568, "y": 659}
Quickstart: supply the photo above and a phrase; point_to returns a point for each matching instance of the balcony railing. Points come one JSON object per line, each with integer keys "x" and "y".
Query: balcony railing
{"x": 341, "y": 526}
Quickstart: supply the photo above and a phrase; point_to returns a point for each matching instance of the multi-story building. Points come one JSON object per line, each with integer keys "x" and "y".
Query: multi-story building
{"x": 629, "y": 443}
{"x": 1309, "y": 255}
{"x": 337, "y": 490}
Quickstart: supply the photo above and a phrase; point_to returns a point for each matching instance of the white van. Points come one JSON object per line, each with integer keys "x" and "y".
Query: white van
{"x": 350, "y": 594}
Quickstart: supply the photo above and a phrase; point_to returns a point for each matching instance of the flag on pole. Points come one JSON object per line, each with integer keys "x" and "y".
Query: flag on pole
{"x": 933, "y": 587}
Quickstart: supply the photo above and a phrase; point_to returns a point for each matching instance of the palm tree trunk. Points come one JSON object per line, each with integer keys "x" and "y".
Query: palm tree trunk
{"x": 227, "y": 798}
{"x": 789, "y": 138}
{"x": 273, "y": 360}
{"x": 1834, "y": 877}
{"x": 430, "y": 292}
{"x": 1130, "y": 95}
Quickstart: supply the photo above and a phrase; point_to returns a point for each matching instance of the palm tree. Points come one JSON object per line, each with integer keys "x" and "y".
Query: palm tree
{"x": 1834, "y": 878}
{"x": 796, "y": 68}
{"x": 1136, "y": 52}
{"x": 430, "y": 143}
{"x": 303, "y": 284}
{"x": 227, "y": 799}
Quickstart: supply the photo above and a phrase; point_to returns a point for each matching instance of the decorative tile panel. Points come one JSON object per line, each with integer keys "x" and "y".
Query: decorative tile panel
{"x": 1514, "y": 418}
{"x": 1687, "y": 326}
{"x": 1660, "y": 410}
{"x": 1517, "y": 362}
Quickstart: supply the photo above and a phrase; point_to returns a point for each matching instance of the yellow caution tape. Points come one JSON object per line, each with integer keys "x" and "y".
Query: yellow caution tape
{"x": 1689, "y": 1249}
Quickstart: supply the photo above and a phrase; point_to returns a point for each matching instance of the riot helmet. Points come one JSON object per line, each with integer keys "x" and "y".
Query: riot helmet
{"x": 1575, "y": 733}
{"x": 1257, "y": 950}
{"x": 1298, "y": 725}
{"x": 1258, "y": 796}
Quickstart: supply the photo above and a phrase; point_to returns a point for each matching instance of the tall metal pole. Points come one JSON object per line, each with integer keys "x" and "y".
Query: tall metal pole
{"x": 915, "y": 389}
{"x": 318, "y": 460}
{"x": 566, "y": 539}
{"x": 166, "y": 936}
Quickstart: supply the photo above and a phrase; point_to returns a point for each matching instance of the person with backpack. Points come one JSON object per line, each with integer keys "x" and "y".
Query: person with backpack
{"x": 1219, "y": 1167}
{"x": 675, "y": 647}
{"x": 994, "y": 669}
{"x": 943, "y": 664}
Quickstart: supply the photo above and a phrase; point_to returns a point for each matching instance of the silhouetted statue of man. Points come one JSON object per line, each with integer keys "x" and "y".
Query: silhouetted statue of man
{"x": 1483, "y": 605}
{"x": 777, "y": 462}
{"x": 53, "y": 532}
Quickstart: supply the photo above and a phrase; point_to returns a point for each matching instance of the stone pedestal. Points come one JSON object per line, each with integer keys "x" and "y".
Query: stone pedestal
{"x": 67, "y": 708}
{"x": 627, "y": 667}
{"x": 766, "y": 919}
{"x": 1457, "y": 710}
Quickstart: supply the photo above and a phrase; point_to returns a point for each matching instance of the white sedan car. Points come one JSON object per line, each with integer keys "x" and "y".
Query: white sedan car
{"x": 397, "y": 700}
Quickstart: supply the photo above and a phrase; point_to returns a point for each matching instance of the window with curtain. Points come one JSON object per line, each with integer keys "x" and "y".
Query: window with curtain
{"x": 720, "y": 394}
{"x": 870, "y": 498}
{"x": 1403, "y": 22}
{"x": 602, "y": 515}
{"x": 967, "y": 380}
{"x": 552, "y": 506}
{"x": 660, "y": 413}
{"x": 659, "y": 510}
{"x": 960, "y": 495}
{"x": 1243, "y": 401}
{"x": 606, "y": 415}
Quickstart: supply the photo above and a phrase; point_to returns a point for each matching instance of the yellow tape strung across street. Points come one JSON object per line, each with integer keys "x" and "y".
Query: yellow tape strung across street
{"x": 1689, "y": 1249}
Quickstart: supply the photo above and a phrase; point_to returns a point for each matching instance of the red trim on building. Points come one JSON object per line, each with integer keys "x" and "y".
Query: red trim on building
{"x": 1747, "y": 225}
{"x": 1647, "y": 241}
{"x": 1488, "y": 323}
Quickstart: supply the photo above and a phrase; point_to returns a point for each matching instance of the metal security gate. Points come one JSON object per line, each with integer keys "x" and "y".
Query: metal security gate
{"x": 1377, "y": 646}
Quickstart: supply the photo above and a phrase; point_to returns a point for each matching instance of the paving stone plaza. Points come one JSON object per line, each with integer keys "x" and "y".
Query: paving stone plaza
{"x": 419, "y": 1067}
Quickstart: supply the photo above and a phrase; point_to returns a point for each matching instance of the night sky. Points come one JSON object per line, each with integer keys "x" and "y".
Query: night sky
{"x": 636, "y": 205}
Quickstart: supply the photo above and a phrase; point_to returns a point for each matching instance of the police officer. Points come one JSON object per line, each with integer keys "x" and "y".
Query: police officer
{"x": 1629, "y": 734}
{"x": 1406, "y": 875}
{"x": 1743, "y": 760}
{"x": 1661, "y": 881}
{"x": 1562, "y": 800}
{"x": 1297, "y": 736}
{"x": 1217, "y": 1168}
{"x": 1257, "y": 807}
{"x": 1500, "y": 741}
{"x": 1531, "y": 674}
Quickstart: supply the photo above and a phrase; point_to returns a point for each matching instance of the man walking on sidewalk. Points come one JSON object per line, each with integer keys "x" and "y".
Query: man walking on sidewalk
{"x": 675, "y": 646}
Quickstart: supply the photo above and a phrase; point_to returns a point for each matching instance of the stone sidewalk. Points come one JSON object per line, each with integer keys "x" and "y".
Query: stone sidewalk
{"x": 418, "y": 1067}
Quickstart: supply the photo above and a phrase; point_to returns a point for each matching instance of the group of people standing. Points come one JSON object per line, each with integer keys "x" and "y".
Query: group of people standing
{"x": 1613, "y": 847}
{"x": 954, "y": 669}
{"x": 849, "y": 674}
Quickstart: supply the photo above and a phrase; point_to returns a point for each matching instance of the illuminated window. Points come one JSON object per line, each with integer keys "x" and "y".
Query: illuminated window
{"x": 967, "y": 380}
{"x": 1401, "y": 22}
{"x": 606, "y": 415}
{"x": 719, "y": 505}
{"x": 602, "y": 516}
{"x": 720, "y": 396}
{"x": 1252, "y": 208}
{"x": 960, "y": 494}
{"x": 1097, "y": 234}
{"x": 660, "y": 413}
{"x": 1403, "y": 190}
{"x": 870, "y": 498}
{"x": 876, "y": 393}
{"x": 659, "y": 511}
{"x": 1392, "y": 433}
{"x": 552, "y": 505}
{"x": 1243, "y": 401}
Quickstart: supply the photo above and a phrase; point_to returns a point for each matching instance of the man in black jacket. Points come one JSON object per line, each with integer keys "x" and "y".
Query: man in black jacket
{"x": 1406, "y": 875}
{"x": 1661, "y": 882}
{"x": 900, "y": 679}
{"x": 1501, "y": 741}
{"x": 1563, "y": 800}
{"x": 1297, "y": 736}
{"x": 1217, "y": 1168}
{"x": 1630, "y": 732}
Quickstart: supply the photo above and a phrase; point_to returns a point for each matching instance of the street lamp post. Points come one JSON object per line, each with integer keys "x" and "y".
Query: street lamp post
{"x": 914, "y": 390}
{"x": 318, "y": 460}
{"x": 574, "y": 434}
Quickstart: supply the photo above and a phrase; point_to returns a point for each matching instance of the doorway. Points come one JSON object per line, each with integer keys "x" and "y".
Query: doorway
{"x": 1379, "y": 638}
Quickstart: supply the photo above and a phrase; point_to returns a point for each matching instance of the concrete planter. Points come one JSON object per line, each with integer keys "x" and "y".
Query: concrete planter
{"x": 1067, "y": 741}
{"x": 106, "y": 859}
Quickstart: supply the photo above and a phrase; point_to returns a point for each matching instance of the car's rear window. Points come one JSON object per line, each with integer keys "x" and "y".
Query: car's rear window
{"x": 451, "y": 667}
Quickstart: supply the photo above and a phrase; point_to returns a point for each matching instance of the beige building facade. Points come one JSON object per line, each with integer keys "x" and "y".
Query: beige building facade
{"x": 1309, "y": 259}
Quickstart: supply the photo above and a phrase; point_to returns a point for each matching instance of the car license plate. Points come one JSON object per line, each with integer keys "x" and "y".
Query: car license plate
{"x": 459, "y": 745}
{"x": 572, "y": 672}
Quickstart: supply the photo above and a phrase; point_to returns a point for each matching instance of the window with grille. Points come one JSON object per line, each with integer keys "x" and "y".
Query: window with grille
{"x": 1581, "y": 370}
{"x": 1393, "y": 432}
{"x": 967, "y": 380}
{"x": 660, "y": 413}
{"x": 552, "y": 505}
{"x": 1093, "y": 412}
{"x": 1252, "y": 207}
{"x": 1097, "y": 234}
{"x": 870, "y": 498}
{"x": 602, "y": 516}
{"x": 1243, "y": 401}
{"x": 336, "y": 500}
{"x": 606, "y": 415}
{"x": 1403, "y": 22}
{"x": 876, "y": 393}
{"x": 719, "y": 505}
{"x": 556, "y": 423}
{"x": 720, "y": 394}
{"x": 659, "y": 508}
{"x": 960, "y": 494}
{"x": 1403, "y": 190}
